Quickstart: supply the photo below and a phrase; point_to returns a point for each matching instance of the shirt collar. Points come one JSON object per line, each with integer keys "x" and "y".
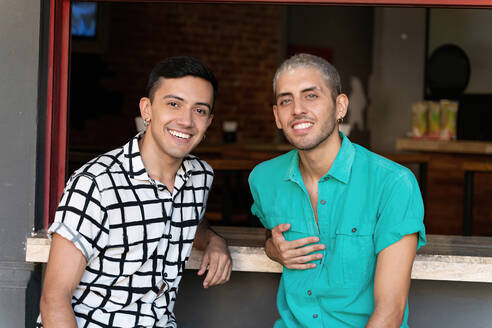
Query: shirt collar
{"x": 342, "y": 166}
{"x": 133, "y": 164}
{"x": 186, "y": 168}
{"x": 340, "y": 169}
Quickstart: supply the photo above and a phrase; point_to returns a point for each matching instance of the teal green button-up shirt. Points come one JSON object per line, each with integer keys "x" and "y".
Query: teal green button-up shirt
{"x": 365, "y": 204}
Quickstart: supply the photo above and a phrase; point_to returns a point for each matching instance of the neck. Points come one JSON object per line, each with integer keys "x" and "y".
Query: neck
{"x": 159, "y": 165}
{"x": 316, "y": 162}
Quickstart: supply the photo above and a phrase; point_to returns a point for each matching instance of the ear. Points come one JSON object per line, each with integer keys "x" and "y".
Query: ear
{"x": 145, "y": 108}
{"x": 275, "y": 113}
{"x": 341, "y": 106}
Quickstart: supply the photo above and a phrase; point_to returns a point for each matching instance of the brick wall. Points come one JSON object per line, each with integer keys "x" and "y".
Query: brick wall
{"x": 241, "y": 43}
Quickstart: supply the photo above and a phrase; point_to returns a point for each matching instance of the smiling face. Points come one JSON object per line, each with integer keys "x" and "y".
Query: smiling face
{"x": 304, "y": 108}
{"x": 179, "y": 114}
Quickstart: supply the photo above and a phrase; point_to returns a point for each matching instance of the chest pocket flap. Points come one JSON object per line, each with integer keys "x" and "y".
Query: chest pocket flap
{"x": 355, "y": 250}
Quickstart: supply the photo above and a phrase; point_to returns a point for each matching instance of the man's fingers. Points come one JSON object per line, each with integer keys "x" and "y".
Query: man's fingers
{"x": 203, "y": 265}
{"x": 228, "y": 272}
{"x": 301, "y": 255}
{"x": 222, "y": 275}
{"x": 298, "y": 247}
{"x": 307, "y": 258}
{"x": 301, "y": 251}
{"x": 301, "y": 266}
{"x": 212, "y": 270}
{"x": 303, "y": 241}
{"x": 222, "y": 271}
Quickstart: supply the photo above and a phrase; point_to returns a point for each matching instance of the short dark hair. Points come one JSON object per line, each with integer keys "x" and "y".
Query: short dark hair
{"x": 180, "y": 66}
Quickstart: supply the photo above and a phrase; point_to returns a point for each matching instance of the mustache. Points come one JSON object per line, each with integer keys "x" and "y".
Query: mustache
{"x": 301, "y": 118}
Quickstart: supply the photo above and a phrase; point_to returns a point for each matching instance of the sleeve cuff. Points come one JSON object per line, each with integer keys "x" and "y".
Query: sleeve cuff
{"x": 71, "y": 235}
{"x": 391, "y": 237}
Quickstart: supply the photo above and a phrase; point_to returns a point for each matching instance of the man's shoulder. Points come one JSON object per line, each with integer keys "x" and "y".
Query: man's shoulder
{"x": 380, "y": 166}
{"x": 275, "y": 168}
{"x": 101, "y": 165}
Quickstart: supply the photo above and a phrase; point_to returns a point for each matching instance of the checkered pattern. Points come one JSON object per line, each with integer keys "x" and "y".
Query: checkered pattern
{"x": 135, "y": 234}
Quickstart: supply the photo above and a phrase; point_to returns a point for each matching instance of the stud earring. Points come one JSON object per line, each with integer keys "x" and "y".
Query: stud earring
{"x": 146, "y": 122}
{"x": 340, "y": 120}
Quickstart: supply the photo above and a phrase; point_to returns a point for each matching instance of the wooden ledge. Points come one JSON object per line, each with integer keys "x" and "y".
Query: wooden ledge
{"x": 449, "y": 258}
{"x": 454, "y": 146}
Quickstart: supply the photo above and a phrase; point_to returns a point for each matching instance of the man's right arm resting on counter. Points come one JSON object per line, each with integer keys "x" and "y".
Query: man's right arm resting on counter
{"x": 291, "y": 254}
{"x": 65, "y": 267}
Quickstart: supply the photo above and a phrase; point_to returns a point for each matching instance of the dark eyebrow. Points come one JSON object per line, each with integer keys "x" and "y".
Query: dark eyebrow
{"x": 173, "y": 97}
{"x": 311, "y": 89}
{"x": 283, "y": 94}
{"x": 182, "y": 99}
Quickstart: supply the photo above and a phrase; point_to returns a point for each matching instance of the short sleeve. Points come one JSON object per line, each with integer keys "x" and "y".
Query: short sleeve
{"x": 256, "y": 208}
{"x": 80, "y": 217}
{"x": 400, "y": 213}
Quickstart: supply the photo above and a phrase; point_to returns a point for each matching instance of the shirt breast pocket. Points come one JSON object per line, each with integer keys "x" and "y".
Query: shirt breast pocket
{"x": 355, "y": 245}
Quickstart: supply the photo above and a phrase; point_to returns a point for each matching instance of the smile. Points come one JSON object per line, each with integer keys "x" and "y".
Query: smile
{"x": 180, "y": 134}
{"x": 300, "y": 126}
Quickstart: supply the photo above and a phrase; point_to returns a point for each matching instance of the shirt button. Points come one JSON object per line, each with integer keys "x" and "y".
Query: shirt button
{"x": 161, "y": 188}
{"x": 315, "y": 316}
{"x": 309, "y": 292}
{"x": 354, "y": 229}
{"x": 165, "y": 274}
{"x": 323, "y": 202}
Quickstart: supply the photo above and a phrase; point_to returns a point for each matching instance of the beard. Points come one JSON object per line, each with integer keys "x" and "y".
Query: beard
{"x": 310, "y": 142}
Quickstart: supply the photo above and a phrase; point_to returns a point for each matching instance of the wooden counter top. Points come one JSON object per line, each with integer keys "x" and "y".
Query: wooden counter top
{"x": 454, "y": 146}
{"x": 452, "y": 258}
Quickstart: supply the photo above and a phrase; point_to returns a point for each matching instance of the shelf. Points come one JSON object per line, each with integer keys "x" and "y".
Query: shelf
{"x": 455, "y": 146}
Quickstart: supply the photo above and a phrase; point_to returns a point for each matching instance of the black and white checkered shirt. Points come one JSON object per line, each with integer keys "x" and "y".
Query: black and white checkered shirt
{"x": 135, "y": 235}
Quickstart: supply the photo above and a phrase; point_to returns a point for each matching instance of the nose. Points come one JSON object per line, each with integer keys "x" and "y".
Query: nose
{"x": 298, "y": 108}
{"x": 185, "y": 118}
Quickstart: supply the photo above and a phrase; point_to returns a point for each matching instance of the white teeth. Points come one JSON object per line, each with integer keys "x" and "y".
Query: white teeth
{"x": 180, "y": 134}
{"x": 302, "y": 126}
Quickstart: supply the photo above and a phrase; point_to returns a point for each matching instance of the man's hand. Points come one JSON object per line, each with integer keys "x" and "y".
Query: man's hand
{"x": 216, "y": 257}
{"x": 292, "y": 254}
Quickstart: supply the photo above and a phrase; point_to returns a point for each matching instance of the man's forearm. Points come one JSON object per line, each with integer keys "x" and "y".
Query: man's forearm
{"x": 56, "y": 312}
{"x": 204, "y": 235}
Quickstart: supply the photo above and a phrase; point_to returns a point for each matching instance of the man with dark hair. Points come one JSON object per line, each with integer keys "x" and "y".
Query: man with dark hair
{"x": 345, "y": 223}
{"x": 127, "y": 220}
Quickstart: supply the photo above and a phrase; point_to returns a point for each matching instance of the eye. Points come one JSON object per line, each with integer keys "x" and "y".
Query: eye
{"x": 201, "y": 111}
{"x": 311, "y": 96}
{"x": 285, "y": 101}
{"x": 173, "y": 104}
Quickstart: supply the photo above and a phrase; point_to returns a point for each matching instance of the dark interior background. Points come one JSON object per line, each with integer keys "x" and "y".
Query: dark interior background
{"x": 244, "y": 44}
